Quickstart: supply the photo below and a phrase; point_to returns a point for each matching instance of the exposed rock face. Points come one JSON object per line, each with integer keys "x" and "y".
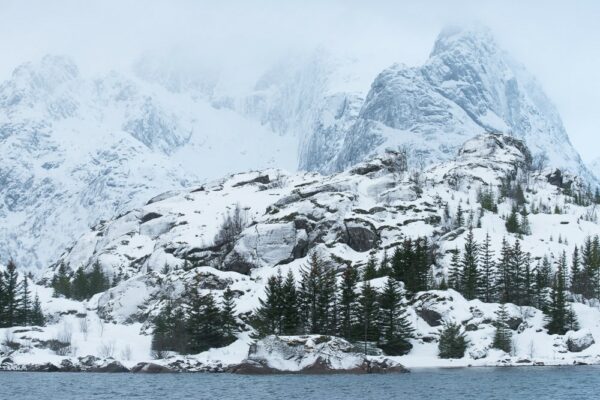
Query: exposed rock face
{"x": 467, "y": 87}
{"x": 579, "y": 341}
{"x": 312, "y": 355}
{"x": 150, "y": 368}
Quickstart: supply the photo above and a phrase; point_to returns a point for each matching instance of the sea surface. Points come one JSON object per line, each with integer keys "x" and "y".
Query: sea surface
{"x": 523, "y": 383}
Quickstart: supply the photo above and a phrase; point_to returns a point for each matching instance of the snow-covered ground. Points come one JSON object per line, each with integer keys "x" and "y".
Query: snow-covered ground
{"x": 342, "y": 217}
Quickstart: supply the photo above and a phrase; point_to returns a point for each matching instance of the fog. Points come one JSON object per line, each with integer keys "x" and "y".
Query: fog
{"x": 557, "y": 41}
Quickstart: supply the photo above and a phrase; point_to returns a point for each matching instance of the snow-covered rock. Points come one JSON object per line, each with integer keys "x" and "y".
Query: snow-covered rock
{"x": 580, "y": 340}
{"x": 310, "y": 354}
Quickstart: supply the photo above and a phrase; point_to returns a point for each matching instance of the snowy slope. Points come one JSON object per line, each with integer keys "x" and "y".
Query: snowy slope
{"x": 168, "y": 243}
{"x": 468, "y": 86}
{"x": 79, "y": 149}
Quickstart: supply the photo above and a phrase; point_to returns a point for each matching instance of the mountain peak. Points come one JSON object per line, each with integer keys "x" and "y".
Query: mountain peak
{"x": 464, "y": 38}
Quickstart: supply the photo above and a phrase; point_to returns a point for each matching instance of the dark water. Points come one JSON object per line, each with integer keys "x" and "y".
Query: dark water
{"x": 474, "y": 383}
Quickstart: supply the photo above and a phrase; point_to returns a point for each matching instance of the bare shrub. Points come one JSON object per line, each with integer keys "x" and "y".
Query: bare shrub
{"x": 62, "y": 344}
{"x": 9, "y": 344}
{"x": 126, "y": 353}
{"x": 233, "y": 224}
{"x": 107, "y": 350}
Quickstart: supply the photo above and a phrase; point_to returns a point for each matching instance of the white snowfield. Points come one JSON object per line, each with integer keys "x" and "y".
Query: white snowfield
{"x": 371, "y": 207}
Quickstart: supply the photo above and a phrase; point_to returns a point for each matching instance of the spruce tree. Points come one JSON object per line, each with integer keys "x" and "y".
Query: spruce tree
{"x": 203, "y": 323}
{"x": 61, "y": 282}
{"x": 488, "y": 273}
{"x": 512, "y": 222}
{"x": 455, "y": 272}
{"x": 228, "y": 321}
{"x": 577, "y": 276}
{"x": 470, "y": 259}
{"x": 24, "y": 306}
{"x": 395, "y": 327}
{"x": 37, "y": 315}
{"x": 384, "y": 266}
{"x": 368, "y": 313}
{"x": 11, "y": 294}
{"x": 79, "y": 286}
{"x": 290, "y": 318}
{"x": 503, "y": 335}
{"x": 98, "y": 282}
{"x": 348, "y": 303}
{"x": 268, "y": 317}
{"x": 505, "y": 279}
{"x": 452, "y": 343}
{"x": 557, "y": 310}
{"x": 371, "y": 268}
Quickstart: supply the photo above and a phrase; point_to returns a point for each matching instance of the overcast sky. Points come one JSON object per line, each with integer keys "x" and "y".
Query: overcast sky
{"x": 558, "y": 41}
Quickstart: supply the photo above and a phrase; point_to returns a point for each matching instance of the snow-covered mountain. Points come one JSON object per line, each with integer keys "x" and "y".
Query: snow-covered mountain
{"x": 79, "y": 149}
{"x": 169, "y": 243}
{"x": 468, "y": 86}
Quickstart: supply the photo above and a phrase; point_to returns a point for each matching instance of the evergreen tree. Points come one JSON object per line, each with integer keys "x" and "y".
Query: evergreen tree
{"x": 203, "y": 323}
{"x": 37, "y": 315}
{"x": 228, "y": 322}
{"x": 512, "y": 222}
{"x": 61, "y": 282}
{"x": 290, "y": 318}
{"x": 452, "y": 343}
{"x": 11, "y": 293}
{"x": 455, "y": 272}
{"x": 503, "y": 335}
{"x": 505, "y": 280}
{"x": 470, "y": 259}
{"x": 348, "y": 303}
{"x": 371, "y": 268}
{"x": 520, "y": 195}
{"x": 524, "y": 227}
{"x": 98, "y": 282}
{"x": 488, "y": 274}
{"x": 79, "y": 286}
{"x": 268, "y": 318}
{"x": 384, "y": 267}
{"x": 460, "y": 218}
{"x": 368, "y": 313}
{"x": 24, "y": 306}
{"x": 557, "y": 318}
{"x": 577, "y": 275}
{"x": 395, "y": 327}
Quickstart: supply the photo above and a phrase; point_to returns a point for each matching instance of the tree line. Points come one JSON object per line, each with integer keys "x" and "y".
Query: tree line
{"x": 319, "y": 304}
{"x": 476, "y": 273}
{"x": 17, "y": 308}
{"x": 195, "y": 324}
{"x": 83, "y": 285}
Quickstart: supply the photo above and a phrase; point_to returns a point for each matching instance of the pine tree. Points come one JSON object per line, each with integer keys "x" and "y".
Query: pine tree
{"x": 470, "y": 259}
{"x": 203, "y": 323}
{"x": 395, "y": 327}
{"x": 460, "y": 218}
{"x": 79, "y": 286}
{"x": 348, "y": 303}
{"x": 11, "y": 293}
{"x": 520, "y": 195}
{"x": 577, "y": 276}
{"x": 488, "y": 275}
{"x": 557, "y": 318}
{"x": 268, "y": 317}
{"x": 24, "y": 305}
{"x": 512, "y": 222}
{"x": 384, "y": 266}
{"x": 228, "y": 322}
{"x": 98, "y": 282}
{"x": 371, "y": 268}
{"x": 368, "y": 313}
{"x": 455, "y": 272}
{"x": 37, "y": 315}
{"x": 452, "y": 343}
{"x": 61, "y": 282}
{"x": 290, "y": 315}
{"x": 503, "y": 335}
{"x": 505, "y": 280}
